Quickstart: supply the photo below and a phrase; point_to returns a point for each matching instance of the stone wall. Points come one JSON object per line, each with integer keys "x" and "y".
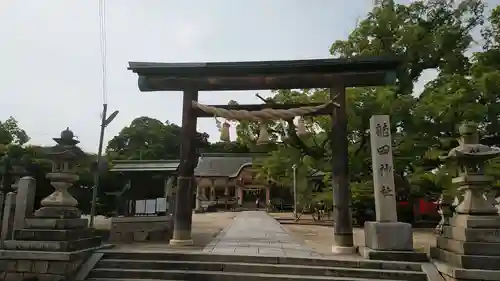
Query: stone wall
{"x": 129, "y": 229}
{"x": 46, "y": 270}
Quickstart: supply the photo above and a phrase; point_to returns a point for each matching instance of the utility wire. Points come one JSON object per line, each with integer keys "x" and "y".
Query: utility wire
{"x": 102, "y": 26}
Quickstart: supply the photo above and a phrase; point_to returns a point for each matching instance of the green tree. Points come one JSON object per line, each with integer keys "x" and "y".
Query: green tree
{"x": 425, "y": 35}
{"x": 150, "y": 139}
{"x": 226, "y": 147}
{"x": 12, "y": 137}
{"x": 11, "y": 133}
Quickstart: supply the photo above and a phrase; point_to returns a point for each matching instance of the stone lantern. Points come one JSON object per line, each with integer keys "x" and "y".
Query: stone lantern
{"x": 64, "y": 156}
{"x": 468, "y": 248}
{"x": 57, "y": 239}
{"x": 445, "y": 211}
{"x": 471, "y": 158}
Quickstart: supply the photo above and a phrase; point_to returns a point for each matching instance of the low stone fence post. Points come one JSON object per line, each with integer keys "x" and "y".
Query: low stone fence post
{"x": 25, "y": 201}
{"x": 2, "y": 201}
{"x": 8, "y": 218}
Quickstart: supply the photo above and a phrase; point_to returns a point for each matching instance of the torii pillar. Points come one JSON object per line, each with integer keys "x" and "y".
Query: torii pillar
{"x": 185, "y": 181}
{"x": 342, "y": 230}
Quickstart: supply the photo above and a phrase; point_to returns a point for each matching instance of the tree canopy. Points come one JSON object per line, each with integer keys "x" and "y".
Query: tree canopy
{"x": 426, "y": 35}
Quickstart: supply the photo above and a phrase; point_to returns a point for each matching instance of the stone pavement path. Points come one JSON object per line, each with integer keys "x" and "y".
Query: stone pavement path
{"x": 257, "y": 233}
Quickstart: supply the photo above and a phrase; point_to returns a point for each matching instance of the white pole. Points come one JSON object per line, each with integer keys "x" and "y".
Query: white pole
{"x": 294, "y": 168}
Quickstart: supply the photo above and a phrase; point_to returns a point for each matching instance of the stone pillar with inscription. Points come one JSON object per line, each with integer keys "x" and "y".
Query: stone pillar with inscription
{"x": 386, "y": 238}
{"x": 469, "y": 247}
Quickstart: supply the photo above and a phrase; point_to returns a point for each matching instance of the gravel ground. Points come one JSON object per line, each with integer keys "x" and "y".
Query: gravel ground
{"x": 319, "y": 238}
{"x": 206, "y": 226}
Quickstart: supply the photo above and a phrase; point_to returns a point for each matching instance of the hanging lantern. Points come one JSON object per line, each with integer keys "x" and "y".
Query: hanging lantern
{"x": 224, "y": 132}
{"x": 301, "y": 128}
{"x": 263, "y": 135}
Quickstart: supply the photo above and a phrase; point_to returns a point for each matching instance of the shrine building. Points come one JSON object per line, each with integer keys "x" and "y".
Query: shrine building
{"x": 223, "y": 181}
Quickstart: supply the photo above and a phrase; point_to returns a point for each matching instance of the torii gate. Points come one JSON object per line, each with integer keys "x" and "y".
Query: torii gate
{"x": 335, "y": 74}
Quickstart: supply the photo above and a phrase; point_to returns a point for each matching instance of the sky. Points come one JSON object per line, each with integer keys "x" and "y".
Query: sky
{"x": 50, "y": 51}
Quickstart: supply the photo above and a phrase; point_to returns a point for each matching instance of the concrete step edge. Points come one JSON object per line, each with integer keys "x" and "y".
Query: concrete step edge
{"x": 205, "y": 256}
{"x": 126, "y": 279}
{"x": 317, "y": 267}
{"x": 239, "y": 274}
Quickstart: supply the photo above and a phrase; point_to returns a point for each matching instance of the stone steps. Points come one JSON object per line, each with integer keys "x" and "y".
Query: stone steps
{"x": 42, "y": 238}
{"x": 282, "y": 269}
{"x": 128, "y": 279}
{"x": 53, "y": 246}
{"x": 122, "y": 274}
{"x": 131, "y": 266}
{"x": 316, "y": 261}
{"x": 52, "y": 234}
{"x": 479, "y": 262}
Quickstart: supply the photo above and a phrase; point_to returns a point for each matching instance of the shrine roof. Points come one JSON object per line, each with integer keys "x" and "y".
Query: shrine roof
{"x": 223, "y": 164}
{"x": 258, "y": 75}
{"x": 209, "y": 165}
{"x": 145, "y": 165}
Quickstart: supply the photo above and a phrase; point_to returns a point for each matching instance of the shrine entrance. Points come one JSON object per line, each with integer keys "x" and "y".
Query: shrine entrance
{"x": 333, "y": 74}
{"x": 253, "y": 193}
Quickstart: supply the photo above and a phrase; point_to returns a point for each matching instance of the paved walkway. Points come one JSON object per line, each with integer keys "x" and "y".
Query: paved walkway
{"x": 257, "y": 233}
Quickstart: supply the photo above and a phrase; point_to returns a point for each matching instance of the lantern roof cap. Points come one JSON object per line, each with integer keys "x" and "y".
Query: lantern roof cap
{"x": 67, "y": 138}
{"x": 469, "y": 148}
{"x": 66, "y": 147}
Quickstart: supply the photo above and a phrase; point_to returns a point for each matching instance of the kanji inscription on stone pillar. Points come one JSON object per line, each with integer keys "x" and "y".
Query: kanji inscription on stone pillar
{"x": 383, "y": 172}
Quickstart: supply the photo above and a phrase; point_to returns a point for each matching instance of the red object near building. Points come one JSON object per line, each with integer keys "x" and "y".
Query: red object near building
{"x": 422, "y": 207}
{"x": 427, "y": 208}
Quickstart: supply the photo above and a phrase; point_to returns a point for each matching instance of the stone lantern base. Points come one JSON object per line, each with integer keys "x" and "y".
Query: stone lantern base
{"x": 55, "y": 242}
{"x": 58, "y": 212}
{"x": 51, "y": 249}
{"x": 52, "y": 245}
{"x": 469, "y": 248}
